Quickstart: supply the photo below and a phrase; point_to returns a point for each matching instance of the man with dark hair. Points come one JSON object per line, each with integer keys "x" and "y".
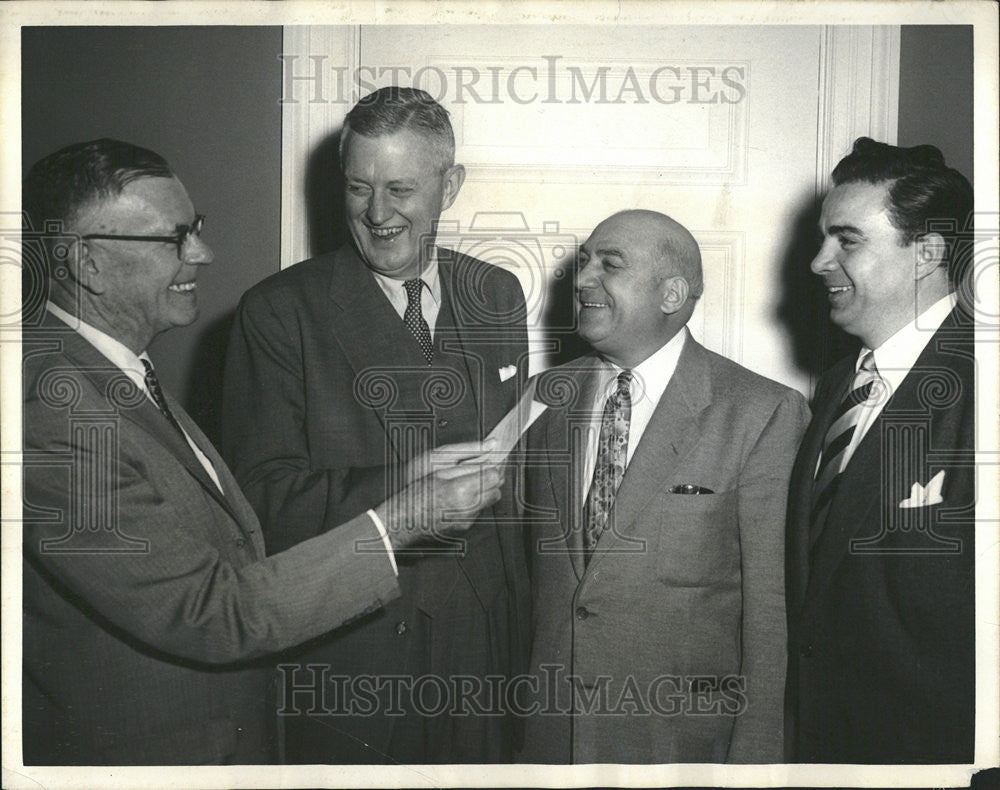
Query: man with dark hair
{"x": 342, "y": 372}
{"x": 880, "y": 570}
{"x": 147, "y": 593}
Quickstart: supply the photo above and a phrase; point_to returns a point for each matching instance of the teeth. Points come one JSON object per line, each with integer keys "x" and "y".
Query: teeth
{"x": 384, "y": 233}
{"x": 182, "y": 287}
{"x": 593, "y": 304}
{"x": 836, "y": 289}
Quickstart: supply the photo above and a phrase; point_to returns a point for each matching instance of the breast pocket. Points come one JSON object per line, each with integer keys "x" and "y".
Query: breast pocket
{"x": 698, "y": 538}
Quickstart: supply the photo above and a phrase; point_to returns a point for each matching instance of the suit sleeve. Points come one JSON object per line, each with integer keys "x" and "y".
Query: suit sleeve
{"x": 763, "y": 491}
{"x": 150, "y": 571}
{"x": 264, "y": 434}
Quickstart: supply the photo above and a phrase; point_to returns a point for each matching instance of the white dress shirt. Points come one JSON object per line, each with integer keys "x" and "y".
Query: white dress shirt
{"x": 649, "y": 380}
{"x": 430, "y": 297}
{"x": 893, "y": 361}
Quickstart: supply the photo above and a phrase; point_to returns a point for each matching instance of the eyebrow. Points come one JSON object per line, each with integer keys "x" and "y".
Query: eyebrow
{"x": 837, "y": 230}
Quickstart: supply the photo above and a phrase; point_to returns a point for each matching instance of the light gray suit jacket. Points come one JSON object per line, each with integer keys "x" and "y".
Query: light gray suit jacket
{"x": 669, "y": 646}
{"x": 146, "y": 589}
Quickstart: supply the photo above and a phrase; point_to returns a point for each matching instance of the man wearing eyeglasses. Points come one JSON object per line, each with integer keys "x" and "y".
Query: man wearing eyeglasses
{"x": 147, "y": 593}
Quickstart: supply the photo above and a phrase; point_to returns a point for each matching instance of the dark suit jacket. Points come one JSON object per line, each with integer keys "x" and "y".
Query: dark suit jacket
{"x": 146, "y": 589}
{"x": 326, "y": 393}
{"x": 881, "y": 648}
{"x": 678, "y": 617}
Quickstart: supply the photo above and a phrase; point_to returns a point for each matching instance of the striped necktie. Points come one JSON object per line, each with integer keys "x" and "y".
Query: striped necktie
{"x": 153, "y": 385}
{"x": 837, "y": 440}
{"x": 413, "y": 317}
{"x": 612, "y": 453}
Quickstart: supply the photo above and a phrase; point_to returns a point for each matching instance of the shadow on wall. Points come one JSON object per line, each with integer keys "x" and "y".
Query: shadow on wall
{"x": 559, "y": 320}
{"x": 203, "y": 398}
{"x": 325, "y": 197}
{"x": 804, "y": 311}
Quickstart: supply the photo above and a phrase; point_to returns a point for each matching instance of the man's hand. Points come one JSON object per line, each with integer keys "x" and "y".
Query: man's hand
{"x": 446, "y": 456}
{"x": 443, "y": 502}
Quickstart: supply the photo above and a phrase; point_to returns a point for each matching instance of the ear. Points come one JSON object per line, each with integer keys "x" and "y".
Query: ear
{"x": 675, "y": 294}
{"x": 454, "y": 177}
{"x": 86, "y": 266}
{"x": 929, "y": 254}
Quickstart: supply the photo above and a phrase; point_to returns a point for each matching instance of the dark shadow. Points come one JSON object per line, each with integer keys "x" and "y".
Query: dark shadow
{"x": 559, "y": 320}
{"x": 324, "y": 193}
{"x": 203, "y": 397}
{"x": 816, "y": 342}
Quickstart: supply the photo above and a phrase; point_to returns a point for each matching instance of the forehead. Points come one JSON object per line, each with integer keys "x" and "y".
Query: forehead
{"x": 621, "y": 236}
{"x": 856, "y": 203}
{"x": 402, "y": 154}
{"x": 161, "y": 203}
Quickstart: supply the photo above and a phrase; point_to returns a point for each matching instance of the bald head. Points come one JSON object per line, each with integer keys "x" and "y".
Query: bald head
{"x": 638, "y": 281}
{"x": 671, "y": 245}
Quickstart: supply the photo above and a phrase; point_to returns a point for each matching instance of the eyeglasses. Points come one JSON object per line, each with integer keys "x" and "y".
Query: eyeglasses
{"x": 183, "y": 235}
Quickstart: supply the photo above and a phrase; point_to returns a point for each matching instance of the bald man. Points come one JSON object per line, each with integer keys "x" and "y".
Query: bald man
{"x": 655, "y": 494}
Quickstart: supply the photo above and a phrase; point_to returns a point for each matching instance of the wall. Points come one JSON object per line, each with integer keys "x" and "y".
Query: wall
{"x": 935, "y": 91}
{"x": 204, "y": 98}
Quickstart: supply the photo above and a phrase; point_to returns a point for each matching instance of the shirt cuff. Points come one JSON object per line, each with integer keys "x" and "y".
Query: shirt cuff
{"x": 385, "y": 539}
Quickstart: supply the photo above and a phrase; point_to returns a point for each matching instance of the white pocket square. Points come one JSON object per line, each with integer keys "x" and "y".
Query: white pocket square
{"x": 506, "y": 372}
{"x": 921, "y": 496}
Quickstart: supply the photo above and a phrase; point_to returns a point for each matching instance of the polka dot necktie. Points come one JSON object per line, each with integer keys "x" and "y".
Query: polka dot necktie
{"x": 413, "y": 317}
{"x": 838, "y": 439}
{"x": 612, "y": 452}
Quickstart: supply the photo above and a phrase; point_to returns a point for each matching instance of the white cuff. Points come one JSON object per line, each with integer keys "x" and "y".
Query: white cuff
{"x": 385, "y": 539}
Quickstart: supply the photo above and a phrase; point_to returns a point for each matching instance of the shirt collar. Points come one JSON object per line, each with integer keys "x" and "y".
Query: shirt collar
{"x": 118, "y": 353}
{"x": 651, "y": 376}
{"x": 430, "y": 276}
{"x": 895, "y": 357}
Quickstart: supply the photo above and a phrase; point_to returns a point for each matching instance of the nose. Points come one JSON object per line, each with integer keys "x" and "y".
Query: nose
{"x": 196, "y": 251}
{"x": 586, "y": 275}
{"x": 379, "y": 208}
{"x": 824, "y": 261}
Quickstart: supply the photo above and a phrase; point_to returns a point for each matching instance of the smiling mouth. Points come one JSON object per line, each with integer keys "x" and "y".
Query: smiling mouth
{"x": 385, "y": 233}
{"x": 182, "y": 287}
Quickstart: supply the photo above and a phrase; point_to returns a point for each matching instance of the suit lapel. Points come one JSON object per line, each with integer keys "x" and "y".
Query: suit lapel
{"x": 670, "y": 435}
{"x": 359, "y": 309}
{"x": 800, "y": 500}
{"x": 454, "y": 293}
{"x": 134, "y": 406}
{"x": 565, "y": 448}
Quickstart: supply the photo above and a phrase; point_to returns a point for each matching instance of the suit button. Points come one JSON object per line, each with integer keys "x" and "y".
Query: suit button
{"x": 401, "y": 627}
{"x": 582, "y": 613}
{"x": 442, "y": 423}
{"x": 806, "y": 651}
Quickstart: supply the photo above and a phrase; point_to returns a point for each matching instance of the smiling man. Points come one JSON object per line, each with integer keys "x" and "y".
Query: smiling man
{"x": 657, "y": 506}
{"x": 147, "y": 591}
{"x": 880, "y": 569}
{"x": 342, "y": 371}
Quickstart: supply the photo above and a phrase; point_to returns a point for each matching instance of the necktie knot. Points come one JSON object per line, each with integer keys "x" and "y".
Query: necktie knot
{"x": 413, "y": 288}
{"x": 623, "y": 390}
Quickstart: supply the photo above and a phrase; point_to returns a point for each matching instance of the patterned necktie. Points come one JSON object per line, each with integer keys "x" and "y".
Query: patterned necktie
{"x": 612, "y": 452}
{"x": 837, "y": 440}
{"x": 414, "y": 318}
{"x": 153, "y": 385}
